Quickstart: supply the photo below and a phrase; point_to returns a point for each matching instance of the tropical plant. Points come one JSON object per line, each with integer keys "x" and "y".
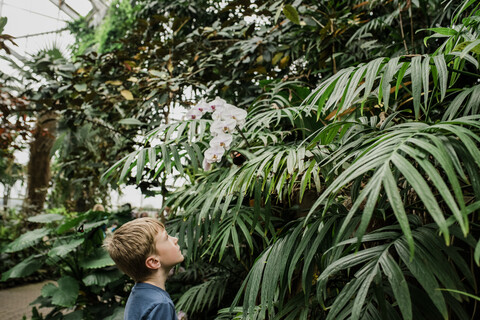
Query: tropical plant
{"x": 356, "y": 199}
{"x": 104, "y": 37}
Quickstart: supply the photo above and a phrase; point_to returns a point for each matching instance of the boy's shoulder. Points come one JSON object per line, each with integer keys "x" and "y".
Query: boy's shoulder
{"x": 147, "y": 301}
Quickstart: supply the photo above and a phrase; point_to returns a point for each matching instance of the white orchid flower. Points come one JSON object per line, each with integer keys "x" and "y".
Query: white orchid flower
{"x": 221, "y": 113}
{"x": 216, "y": 104}
{"x": 193, "y": 114}
{"x": 214, "y": 154}
{"x": 226, "y": 126}
{"x": 221, "y": 140}
{"x": 236, "y": 114}
{"x": 203, "y": 106}
{"x": 217, "y": 115}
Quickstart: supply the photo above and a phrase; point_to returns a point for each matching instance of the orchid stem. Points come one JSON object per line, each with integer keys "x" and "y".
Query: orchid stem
{"x": 241, "y": 133}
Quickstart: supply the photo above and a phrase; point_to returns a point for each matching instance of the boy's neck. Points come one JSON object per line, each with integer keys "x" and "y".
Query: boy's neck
{"x": 158, "y": 279}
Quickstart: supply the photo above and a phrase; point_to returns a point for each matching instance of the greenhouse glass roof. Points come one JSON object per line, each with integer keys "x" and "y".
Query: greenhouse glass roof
{"x": 40, "y": 24}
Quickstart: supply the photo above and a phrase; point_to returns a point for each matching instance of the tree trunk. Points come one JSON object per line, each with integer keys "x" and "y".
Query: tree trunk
{"x": 39, "y": 164}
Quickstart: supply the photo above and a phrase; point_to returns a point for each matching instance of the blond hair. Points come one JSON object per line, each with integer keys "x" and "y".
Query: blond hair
{"x": 131, "y": 244}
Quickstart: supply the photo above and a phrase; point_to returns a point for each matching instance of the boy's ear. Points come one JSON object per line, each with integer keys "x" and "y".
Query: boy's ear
{"x": 153, "y": 262}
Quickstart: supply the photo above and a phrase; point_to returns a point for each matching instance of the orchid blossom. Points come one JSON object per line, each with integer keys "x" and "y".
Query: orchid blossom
{"x": 226, "y": 126}
{"x": 217, "y": 104}
{"x": 214, "y": 154}
{"x": 193, "y": 114}
{"x": 203, "y": 107}
{"x": 221, "y": 140}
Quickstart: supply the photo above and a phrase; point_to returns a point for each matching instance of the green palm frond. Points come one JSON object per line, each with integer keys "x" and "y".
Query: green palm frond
{"x": 270, "y": 278}
{"x": 202, "y": 296}
{"x": 379, "y": 266}
{"x": 379, "y": 23}
{"x": 370, "y": 84}
{"x": 182, "y": 143}
{"x": 412, "y": 153}
{"x": 276, "y": 105}
{"x": 382, "y": 272}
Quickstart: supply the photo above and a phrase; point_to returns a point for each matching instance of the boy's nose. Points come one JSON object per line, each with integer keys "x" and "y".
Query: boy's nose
{"x": 175, "y": 240}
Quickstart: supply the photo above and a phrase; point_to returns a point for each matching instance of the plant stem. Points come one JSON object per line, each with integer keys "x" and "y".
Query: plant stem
{"x": 401, "y": 31}
{"x": 243, "y": 136}
{"x": 464, "y": 72}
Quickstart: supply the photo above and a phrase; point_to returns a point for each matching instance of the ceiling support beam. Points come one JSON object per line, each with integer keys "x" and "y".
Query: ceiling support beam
{"x": 98, "y": 12}
{"x": 69, "y": 11}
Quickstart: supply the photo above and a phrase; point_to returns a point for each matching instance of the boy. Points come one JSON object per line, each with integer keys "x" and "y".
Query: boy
{"x": 142, "y": 249}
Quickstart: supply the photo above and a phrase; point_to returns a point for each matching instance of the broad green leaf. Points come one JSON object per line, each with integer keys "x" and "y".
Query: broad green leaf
{"x": 166, "y": 159}
{"x": 473, "y": 46}
{"x": 396, "y": 202}
{"x": 127, "y": 166}
{"x": 95, "y": 224}
{"x": 350, "y": 94}
{"x": 3, "y": 22}
{"x": 63, "y": 249}
{"x": 102, "y": 277}
{"x": 416, "y": 72}
{"x": 46, "y": 218}
{"x": 291, "y": 13}
{"x": 425, "y": 79}
{"x": 131, "y": 121}
{"x": 27, "y": 240}
{"x": 399, "y": 285}
{"x": 423, "y": 190}
{"x": 344, "y": 297}
{"x": 441, "y": 66}
{"x": 65, "y": 295}
{"x": 140, "y": 164}
{"x": 390, "y": 70}
{"x": 369, "y": 205}
{"x": 98, "y": 259}
{"x": 424, "y": 276}
{"x": 438, "y": 181}
{"x": 254, "y": 280}
{"x": 350, "y": 261}
{"x": 291, "y": 162}
{"x": 444, "y": 31}
{"x": 400, "y": 75}
{"x": 370, "y": 76}
{"x": 81, "y": 87}
{"x": 23, "y": 269}
{"x": 48, "y": 290}
{"x": 69, "y": 224}
{"x": 362, "y": 292}
{"x": 152, "y": 157}
{"x": 177, "y": 160}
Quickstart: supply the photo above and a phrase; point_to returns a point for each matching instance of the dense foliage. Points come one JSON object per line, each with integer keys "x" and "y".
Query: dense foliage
{"x": 357, "y": 198}
{"x": 353, "y": 189}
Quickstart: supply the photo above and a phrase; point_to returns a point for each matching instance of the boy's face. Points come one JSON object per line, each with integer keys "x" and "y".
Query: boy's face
{"x": 168, "y": 249}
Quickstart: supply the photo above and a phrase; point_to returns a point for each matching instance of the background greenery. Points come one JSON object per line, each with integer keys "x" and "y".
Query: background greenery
{"x": 358, "y": 196}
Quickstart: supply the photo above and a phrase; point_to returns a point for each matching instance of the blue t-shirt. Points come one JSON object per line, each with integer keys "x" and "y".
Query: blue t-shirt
{"x": 149, "y": 302}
